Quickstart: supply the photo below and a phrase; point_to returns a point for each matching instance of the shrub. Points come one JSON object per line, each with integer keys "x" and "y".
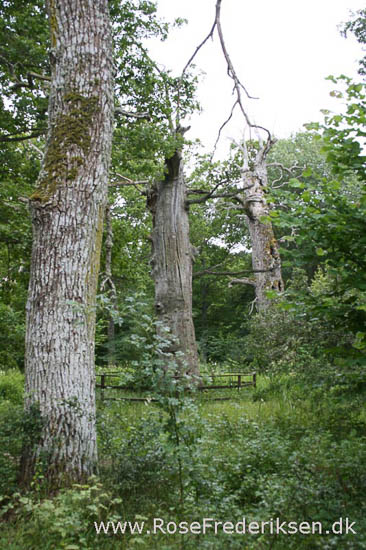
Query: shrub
{"x": 12, "y": 386}
{"x": 65, "y": 521}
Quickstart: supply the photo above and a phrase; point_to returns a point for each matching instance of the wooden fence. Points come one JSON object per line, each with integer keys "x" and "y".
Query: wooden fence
{"x": 234, "y": 380}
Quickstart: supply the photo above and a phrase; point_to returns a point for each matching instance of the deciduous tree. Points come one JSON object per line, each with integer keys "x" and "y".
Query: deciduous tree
{"x": 67, "y": 210}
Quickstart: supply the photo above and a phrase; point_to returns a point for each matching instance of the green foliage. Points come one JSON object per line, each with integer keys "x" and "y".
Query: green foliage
{"x": 11, "y": 436}
{"x": 343, "y": 134}
{"x": 11, "y": 337}
{"x": 135, "y": 339}
{"x": 18, "y": 429}
{"x": 65, "y": 521}
{"x": 18, "y": 170}
{"x": 24, "y": 39}
{"x": 322, "y": 220}
{"x": 299, "y": 462}
{"x": 11, "y": 386}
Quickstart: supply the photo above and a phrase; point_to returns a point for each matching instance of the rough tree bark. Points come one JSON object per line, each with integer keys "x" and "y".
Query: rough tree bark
{"x": 171, "y": 262}
{"x": 67, "y": 213}
{"x": 266, "y": 260}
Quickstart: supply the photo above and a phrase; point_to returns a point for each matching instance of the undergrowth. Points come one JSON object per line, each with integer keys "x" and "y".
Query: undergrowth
{"x": 268, "y": 453}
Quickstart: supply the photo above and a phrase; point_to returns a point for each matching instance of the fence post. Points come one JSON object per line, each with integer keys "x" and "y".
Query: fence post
{"x": 239, "y": 381}
{"x": 255, "y": 379}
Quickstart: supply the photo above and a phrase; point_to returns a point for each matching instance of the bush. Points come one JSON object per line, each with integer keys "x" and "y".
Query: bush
{"x": 11, "y": 441}
{"x": 12, "y": 386}
{"x": 63, "y": 522}
{"x": 12, "y": 327}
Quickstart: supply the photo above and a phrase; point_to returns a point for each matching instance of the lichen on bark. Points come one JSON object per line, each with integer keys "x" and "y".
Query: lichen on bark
{"x": 53, "y": 22}
{"x": 68, "y": 146}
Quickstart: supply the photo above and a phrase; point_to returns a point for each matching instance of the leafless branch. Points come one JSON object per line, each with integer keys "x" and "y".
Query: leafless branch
{"x": 32, "y": 74}
{"x": 127, "y": 181}
{"x": 13, "y": 138}
{"x": 37, "y": 149}
{"x": 189, "y": 62}
{"x": 216, "y": 196}
{"x": 230, "y": 68}
{"x": 238, "y": 86}
{"x": 242, "y": 281}
{"x": 252, "y": 304}
{"x": 209, "y": 194}
{"x": 282, "y": 169}
{"x": 210, "y": 35}
{"x": 130, "y": 114}
{"x": 210, "y": 271}
{"x": 223, "y": 126}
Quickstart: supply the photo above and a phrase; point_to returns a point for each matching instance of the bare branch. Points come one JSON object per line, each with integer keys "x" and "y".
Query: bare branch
{"x": 229, "y": 273}
{"x": 209, "y": 194}
{"x": 189, "y": 62}
{"x": 223, "y": 126}
{"x": 230, "y": 68}
{"x": 128, "y": 181}
{"x": 37, "y": 149}
{"x": 130, "y": 114}
{"x": 210, "y": 35}
{"x": 217, "y": 196}
{"x": 32, "y": 74}
{"x": 252, "y": 304}
{"x": 13, "y": 138}
{"x": 238, "y": 86}
{"x": 243, "y": 281}
{"x": 282, "y": 169}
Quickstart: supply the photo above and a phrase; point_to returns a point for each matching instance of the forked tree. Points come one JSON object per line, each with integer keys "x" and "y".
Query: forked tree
{"x": 250, "y": 193}
{"x": 67, "y": 210}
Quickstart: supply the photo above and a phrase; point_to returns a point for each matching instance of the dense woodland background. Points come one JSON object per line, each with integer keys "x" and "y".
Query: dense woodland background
{"x": 292, "y": 448}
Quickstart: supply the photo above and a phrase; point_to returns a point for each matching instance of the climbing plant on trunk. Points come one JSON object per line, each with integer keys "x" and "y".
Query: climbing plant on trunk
{"x": 67, "y": 210}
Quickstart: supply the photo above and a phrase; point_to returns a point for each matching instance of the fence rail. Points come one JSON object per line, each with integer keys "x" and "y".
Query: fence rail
{"x": 236, "y": 380}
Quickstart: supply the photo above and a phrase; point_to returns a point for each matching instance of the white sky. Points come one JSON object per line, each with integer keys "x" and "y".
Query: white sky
{"x": 282, "y": 51}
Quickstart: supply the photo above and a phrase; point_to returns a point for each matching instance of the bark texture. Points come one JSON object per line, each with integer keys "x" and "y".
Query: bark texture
{"x": 171, "y": 263}
{"x": 107, "y": 285}
{"x": 266, "y": 260}
{"x": 67, "y": 210}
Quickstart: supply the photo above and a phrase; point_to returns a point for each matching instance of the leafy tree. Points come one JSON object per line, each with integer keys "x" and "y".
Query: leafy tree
{"x": 343, "y": 134}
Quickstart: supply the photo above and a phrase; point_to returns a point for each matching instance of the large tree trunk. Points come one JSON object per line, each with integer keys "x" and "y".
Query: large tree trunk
{"x": 172, "y": 264}
{"x": 67, "y": 214}
{"x": 266, "y": 261}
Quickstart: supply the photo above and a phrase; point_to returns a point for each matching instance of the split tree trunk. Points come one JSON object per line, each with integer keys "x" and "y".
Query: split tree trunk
{"x": 172, "y": 264}
{"x": 67, "y": 214}
{"x": 266, "y": 260}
